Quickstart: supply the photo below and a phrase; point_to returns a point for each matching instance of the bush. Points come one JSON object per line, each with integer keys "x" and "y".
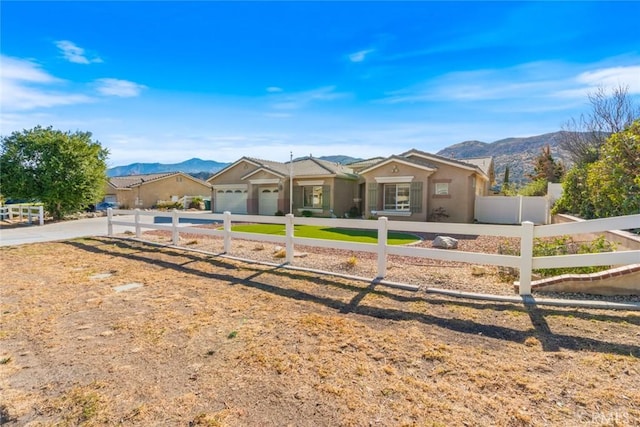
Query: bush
{"x": 169, "y": 205}
{"x": 564, "y": 245}
{"x": 307, "y": 214}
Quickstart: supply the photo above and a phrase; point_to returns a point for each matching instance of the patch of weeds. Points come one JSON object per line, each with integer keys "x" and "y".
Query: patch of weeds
{"x": 82, "y": 406}
{"x": 437, "y": 354}
{"x": 232, "y": 334}
{"x": 478, "y": 271}
{"x": 282, "y": 253}
{"x": 210, "y": 352}
{"x": 258, "y": 247}
{"x": 532, "y": 342}
{"x": 206, "y": 420}
{"x": 5, "y": 360}
{"x": 352, "y": 261}
{"x": 192, "y": 242}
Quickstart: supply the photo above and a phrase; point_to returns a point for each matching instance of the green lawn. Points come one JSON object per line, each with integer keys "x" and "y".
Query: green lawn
{"x": 328, "y": 233}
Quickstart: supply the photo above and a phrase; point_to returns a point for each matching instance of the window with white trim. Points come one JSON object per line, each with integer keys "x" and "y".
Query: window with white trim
{"x": 442, "y": 188}
{"x": 312, "y": 196}
{"x": 397, "y": 197}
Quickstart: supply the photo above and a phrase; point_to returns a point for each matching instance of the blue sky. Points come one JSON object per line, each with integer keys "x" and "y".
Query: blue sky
{"x": 168, "y": 81}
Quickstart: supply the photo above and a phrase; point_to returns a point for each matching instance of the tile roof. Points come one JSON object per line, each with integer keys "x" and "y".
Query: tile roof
{"x": 135, "y": 180}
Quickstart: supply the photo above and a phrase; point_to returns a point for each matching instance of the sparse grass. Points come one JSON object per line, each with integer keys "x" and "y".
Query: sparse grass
{"x": 214, "y": 342}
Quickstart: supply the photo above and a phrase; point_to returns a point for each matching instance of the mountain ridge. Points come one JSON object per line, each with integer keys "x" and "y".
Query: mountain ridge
{"x": 518, "y": 153}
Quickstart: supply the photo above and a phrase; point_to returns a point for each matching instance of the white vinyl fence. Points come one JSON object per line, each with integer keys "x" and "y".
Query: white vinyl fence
{"x": 22, "y": 212}
{"x": 512, "y": 210}
{"x": 527, "y": 231}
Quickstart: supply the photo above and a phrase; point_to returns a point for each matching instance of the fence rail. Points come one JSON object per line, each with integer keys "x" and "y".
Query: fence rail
{"x": 525, "y": 262}
{"x": 22, "y": 212}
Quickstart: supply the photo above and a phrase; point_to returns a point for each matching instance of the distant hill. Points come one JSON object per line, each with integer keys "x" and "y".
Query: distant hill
{"x": 191, "y": 166}
{"x": 202, "y": 169}
{"x": 517, "y": 153}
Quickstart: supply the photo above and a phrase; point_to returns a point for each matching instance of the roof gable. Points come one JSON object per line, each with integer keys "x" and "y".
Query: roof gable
{"x": 403, "y": 160}
{"x": 131, "y": 181}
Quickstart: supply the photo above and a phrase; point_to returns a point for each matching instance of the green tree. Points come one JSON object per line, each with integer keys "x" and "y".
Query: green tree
{"x": 614, "y": 179}
{"x": 545, "y": 167}
{"x": 65, "y": 171}
{"x": 610, "y": 186}
{"x": 506, "y": 185}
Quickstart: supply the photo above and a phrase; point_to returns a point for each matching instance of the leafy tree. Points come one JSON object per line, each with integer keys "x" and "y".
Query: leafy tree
{"x": 611, "y": 112}
{"x": 506, "y": 185}
{"x": 614, "y": 179}
{"x": 609, "y": 186}
{"x": 537, "y": 187}
{"x": 545, "y": 167}
{"x": 65, "y": 171}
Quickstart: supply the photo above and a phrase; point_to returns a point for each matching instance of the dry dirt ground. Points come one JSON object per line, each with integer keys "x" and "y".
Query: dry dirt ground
{"x": 109, "y": 331}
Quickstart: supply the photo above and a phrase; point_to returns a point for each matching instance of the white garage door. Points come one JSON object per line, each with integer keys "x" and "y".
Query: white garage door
{"x": 234, "y": 201}
{"x": 268, "y": 201}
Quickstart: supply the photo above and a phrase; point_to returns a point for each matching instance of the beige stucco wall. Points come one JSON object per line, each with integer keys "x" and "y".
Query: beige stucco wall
{"x": 148, "y": 194}
{"x": 458, "y": 204}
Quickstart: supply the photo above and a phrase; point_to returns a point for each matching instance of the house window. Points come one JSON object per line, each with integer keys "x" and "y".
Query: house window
{"x": 442, "y": 188}
{"x": 312, "y": 196}
{"x": 396, "y": 197}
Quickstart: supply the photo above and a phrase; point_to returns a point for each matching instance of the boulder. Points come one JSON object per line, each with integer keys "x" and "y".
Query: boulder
{"x": 445, "y": 242}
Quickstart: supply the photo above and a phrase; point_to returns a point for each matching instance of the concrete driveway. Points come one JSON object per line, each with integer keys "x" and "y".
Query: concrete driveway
{"x": 62, "y": 230}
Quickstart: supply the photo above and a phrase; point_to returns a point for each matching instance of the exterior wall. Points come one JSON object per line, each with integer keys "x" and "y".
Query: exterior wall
{"x": 148, "y": 194}
{"x": 391, "y": 170}
{"x": 458, "y": 204}
{"x": 343, "y": 191}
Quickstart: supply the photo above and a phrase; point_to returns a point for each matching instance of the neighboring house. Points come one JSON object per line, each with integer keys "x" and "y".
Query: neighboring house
{"x": 262, "y": 187}
{"x": 419, "y": 186}
{"x": 145, "y": 191}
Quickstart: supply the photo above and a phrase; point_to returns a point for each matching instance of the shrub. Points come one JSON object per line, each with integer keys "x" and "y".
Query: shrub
{"x": 306, "y": 213}
{"x": 169, "y": 205}
{"x": 563, "y": 245}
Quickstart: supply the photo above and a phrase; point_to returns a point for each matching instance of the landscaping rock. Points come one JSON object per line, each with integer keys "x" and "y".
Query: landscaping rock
{"x": 445, "y": 242}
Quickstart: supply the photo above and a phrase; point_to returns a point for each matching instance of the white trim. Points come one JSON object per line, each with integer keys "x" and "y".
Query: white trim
{"x": 393, "y": 179}
{"x": 230, "y": 187}
{"x": 391, "y": 213}
{"x": 265, "y": 181}
{"x": 306, "y": 183}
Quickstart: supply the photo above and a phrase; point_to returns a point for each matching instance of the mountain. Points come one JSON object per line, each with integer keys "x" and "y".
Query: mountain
{"x": 191, "y": 166}
{"x": 517, "y": 153}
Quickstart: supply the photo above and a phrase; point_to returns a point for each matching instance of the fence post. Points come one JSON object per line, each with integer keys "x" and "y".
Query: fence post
{"x": 137, "y": 220}
{"x": 526, "y": 257}
{"x": 29, "y": 220}
{"x": 383, "y": 227}
{"x": 175, "y": 220}
{"x": 227, "y": 232}
{"x": 289, "y": 237}
{"x": 41, "y": 214}
{"x": 109, "y": 223}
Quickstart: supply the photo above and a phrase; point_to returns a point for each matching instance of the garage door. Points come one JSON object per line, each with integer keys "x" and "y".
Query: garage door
{"x": 234, "y": 201}
{"x": 268, "y": 201}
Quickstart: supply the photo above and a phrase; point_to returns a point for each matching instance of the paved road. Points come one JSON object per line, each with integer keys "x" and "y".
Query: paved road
{"x": 62, "y": 230}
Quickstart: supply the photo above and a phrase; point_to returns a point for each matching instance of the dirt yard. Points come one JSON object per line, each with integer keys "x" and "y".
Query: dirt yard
{"x": 106, "y": 331}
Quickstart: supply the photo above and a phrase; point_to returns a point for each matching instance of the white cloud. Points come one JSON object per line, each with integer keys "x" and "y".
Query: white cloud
{"x": 73, "y": 53}
{"x": 120, "y": 88}
{"x": 294, "y": 101}
{"x": 25, "y": 86}
{"x": 360, "y": 55}
{"x": 613, "y": 77}
{"x": 274, "y": 89}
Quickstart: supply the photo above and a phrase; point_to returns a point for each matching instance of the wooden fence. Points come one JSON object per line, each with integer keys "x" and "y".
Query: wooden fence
{"x": 525, "y": 262}
{"x": 22, "y": 213}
